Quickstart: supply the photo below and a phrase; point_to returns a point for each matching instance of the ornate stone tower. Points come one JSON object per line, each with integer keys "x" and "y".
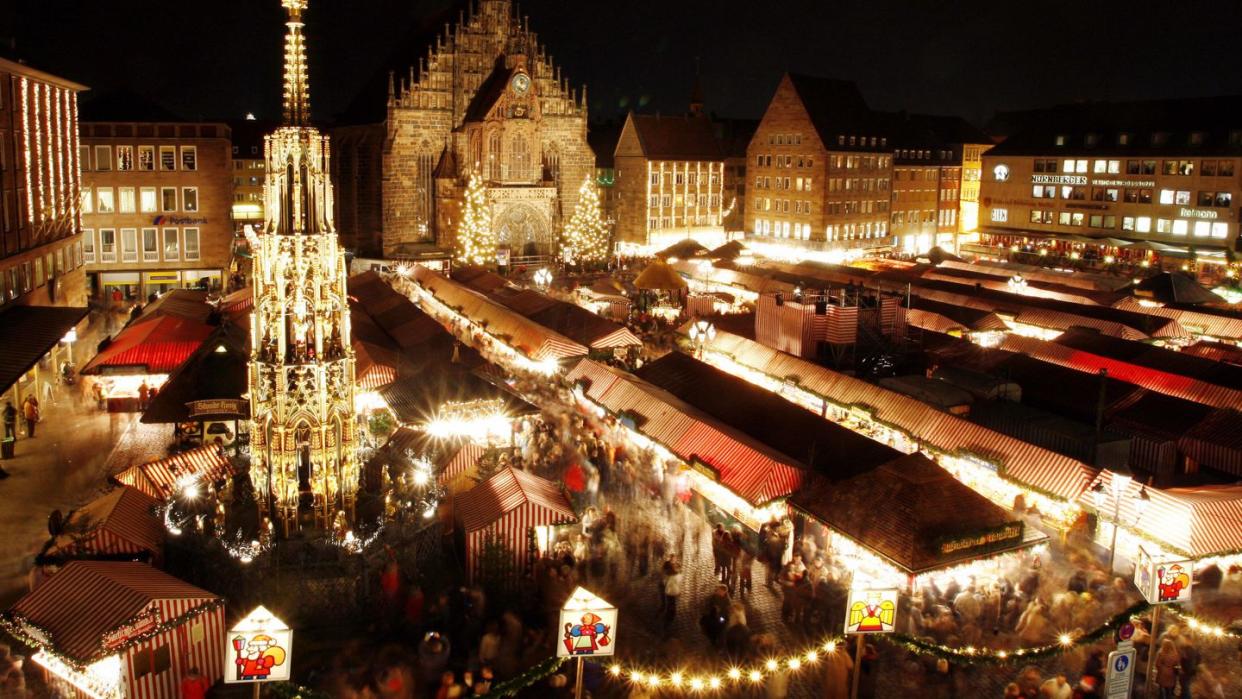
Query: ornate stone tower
{"x": 303, "y": 431}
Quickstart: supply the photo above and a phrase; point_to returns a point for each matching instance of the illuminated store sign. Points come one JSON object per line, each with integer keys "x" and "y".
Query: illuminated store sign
{"x": 1058, "y": 179}
{"x": 1124, "y": 183}
{"x": 1197, "y": 213}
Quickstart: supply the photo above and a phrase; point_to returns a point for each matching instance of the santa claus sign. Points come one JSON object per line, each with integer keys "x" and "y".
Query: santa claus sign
{"x": 587, "y": 627}
{"x": 1163, "y": 581}
{"x": 258, "y": 649}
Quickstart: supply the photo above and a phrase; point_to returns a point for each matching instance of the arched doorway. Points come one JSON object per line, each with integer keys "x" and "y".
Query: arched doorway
{"x": 524, "y": 230}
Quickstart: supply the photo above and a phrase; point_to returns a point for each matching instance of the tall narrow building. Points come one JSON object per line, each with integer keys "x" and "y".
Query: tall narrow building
{"x": 303, "y": 434}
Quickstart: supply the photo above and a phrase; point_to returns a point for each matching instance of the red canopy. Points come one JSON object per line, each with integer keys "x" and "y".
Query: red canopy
{"x": 152, "y": 346}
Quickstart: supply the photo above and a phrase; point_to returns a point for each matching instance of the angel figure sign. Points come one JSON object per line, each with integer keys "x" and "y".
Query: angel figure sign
{"x": 871, "y": 611}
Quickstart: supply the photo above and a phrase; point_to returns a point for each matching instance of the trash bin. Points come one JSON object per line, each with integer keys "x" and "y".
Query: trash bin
{"x": 6, "y": 448}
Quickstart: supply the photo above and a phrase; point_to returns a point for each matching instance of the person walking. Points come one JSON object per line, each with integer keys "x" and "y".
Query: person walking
{"x": 1168, "y": 665}
{"x": 672, "y": 590}
{"x": 30, "y": 411}
{"x": 10, "y": 420}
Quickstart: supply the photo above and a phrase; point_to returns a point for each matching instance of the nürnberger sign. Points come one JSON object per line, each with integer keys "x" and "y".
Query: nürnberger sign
{"x": 1058, "y": 179}
{"x": 1197, "y": 213}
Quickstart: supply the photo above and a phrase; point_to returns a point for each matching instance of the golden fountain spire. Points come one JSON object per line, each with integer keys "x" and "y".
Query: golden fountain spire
{"x": 297, "y": 82}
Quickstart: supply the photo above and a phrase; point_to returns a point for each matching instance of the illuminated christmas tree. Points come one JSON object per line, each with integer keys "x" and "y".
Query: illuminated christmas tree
{"x": 586, "y": 237}
{"x": 476, "y": 241}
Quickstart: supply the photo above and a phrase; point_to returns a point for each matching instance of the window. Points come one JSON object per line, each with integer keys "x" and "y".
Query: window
{"x": 1223, "y": 199}
{"x": 1181, "y": 198}
{"x": 1207, "y": 168}
{"x": 168, "y": 199}
{"x": 1123, "y": 139}
{"x": 107, "y": 245}
{"x": 88, "y": 201}
{"x": 1203, "y": 229}
{"x": 191, "y": 244}
{"x": 129, "y": 245}
{"x": 125, "y": 158}
{"x": 1080, "y": 166}
{"x": 1206, "y": 198}
{"x": 88, "y": 244}
{"x": 189, "y": 157}
{"x": 1181, "y": 227}
{"x": 84, "y": 158}
{"x": 1143, "y": 224}
{"x": 106, "y": 203}
{"x": 1099, "y": 167}
{"x": 126, "y": 197}
{"x": 151, "y": 661}
{"x": 1164, "y": 225}
{"x": 1127, "y": 223}
{"x": 150, "y": 245}
{"x": 1196, "y": 138}
{"x": 1225, "y": 168}
{"x": 146, "y": 158}
{"x": 1060, "y": 140}
{"x": 172, "y": 246}
{"x": 168, "y": 157}
{"x": 103, "y": 158}
{"x": 147, "y": 203}
{"x": 1063, "y": 218}
{"x": 1220, "y": 230}
{"x": 189, "y": 198}
{"x": 1166, "y": 196}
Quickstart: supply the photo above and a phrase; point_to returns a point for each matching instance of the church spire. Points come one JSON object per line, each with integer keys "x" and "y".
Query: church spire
{"x": 297, "y": 81}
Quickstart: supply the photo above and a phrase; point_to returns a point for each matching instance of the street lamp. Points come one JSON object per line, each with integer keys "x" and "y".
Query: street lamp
{"x": 543, "y": 277}
{"x": 701, "y": 333}
{"x": 1121, "y": 481}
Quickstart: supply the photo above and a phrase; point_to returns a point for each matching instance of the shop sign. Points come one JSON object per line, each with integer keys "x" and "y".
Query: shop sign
{"x": 144, "y": 623}
{"x": 704, "y": 469}
{"x": 258, "y": 649}
{"x": 1058, "y": 179}
{"x": 1197, "y": 213}
{"x": 1124, "y": 183}
{"x": 871, "y": 611}
{"x": 983, "y": 541}
{"x": 177, "y": 221}
{"x": 163, "y": 276}
{"x": 1163, "y": 581}
{"x": 587, "y": 626}
{"x": 218, "y": 406}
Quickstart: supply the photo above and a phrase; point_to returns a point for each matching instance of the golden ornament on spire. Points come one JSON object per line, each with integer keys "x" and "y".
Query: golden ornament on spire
{"x": 297, "y": 82}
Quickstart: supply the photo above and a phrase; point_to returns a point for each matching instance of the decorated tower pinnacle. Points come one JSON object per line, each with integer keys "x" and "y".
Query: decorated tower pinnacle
{"x": 297, "y": 82}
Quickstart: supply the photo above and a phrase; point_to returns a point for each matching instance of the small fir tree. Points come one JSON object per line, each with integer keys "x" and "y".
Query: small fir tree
{"x": 586, "y": 236}
{"x": 476, "y": 241}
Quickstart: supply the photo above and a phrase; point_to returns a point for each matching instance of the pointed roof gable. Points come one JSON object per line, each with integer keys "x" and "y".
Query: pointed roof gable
{"x": 833, "y": 105}
{"x": 675, "y": 137}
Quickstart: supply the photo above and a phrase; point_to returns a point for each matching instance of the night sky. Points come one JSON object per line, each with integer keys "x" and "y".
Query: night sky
{"x": 221, "y": 59}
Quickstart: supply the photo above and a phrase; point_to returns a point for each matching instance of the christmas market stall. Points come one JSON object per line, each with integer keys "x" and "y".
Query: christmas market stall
{"x": 514, "y": 510}
{"x": 113, "y": 630}
{"x": 452, "y": 462}
{"x": 602, "y": 336}
{"x": 121, "y": 524}
{"x": 143, "y": 355}
{"x": 38, "y": 341}
{"x": 907, "y": 521}
{"x": 167, "y": 478}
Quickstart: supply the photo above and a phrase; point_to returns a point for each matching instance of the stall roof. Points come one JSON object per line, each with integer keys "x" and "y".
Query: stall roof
{"x": 481, "y": 280}
{"x": 162, "y": 479}
{"x": 659, "y": 276}
{"x": 150, "y": 346}
{"x": 1175, "y": 287}
{"x": 30, "y": 333}
{"x": 417, "y": 393}
{"x": 125, "y": 514}
{"x": 86, "y": 600}
{"x": 941, "y": 394}
{"x": 216, "y": 370}
{"x": 913, "y": 513}
{"x": 568, "y": 319}
{"x": 189, "y": 304}
{"x": 1181, "y": 363}
{"x": 1038, "y": 468}
{"x": 508, "y": 490}
{"x": 1216, "y": 441}
{"x": 755, "y": 472}
{"x": 814, "y": 443}
{"x": 1197, "y": 522}
{"x": 974, "y": 319}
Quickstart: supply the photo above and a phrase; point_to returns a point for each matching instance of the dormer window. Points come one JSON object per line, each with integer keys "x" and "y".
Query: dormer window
{"x": 1123, "y": 139}
{"x": 1196, "y": 138}
{"x": 1092, "y": 139}
{"x": 1060, "y": 140}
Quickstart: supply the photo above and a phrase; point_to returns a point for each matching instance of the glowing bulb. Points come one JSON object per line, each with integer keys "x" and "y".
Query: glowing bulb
{"x": 771, "y": 664}
{"x": 636, "y": 676}
{"x": 755, "y": 676}
{"x": 615, "y": 670}
{"x": 830, "y": 647}
{"x": 795, "y": 663}
{"x": 1065, "y": 639}
{"x": 654, "y": 680}
{"x": 675, "y": 679}
{"x": 696, "y": 684}
{"x": 734, "y": 673}
{"x": 812, "y": 657}
{"x": 1002, "y": 654}
{"x": 714, "y": 683}
{"x": 421, "y": 478}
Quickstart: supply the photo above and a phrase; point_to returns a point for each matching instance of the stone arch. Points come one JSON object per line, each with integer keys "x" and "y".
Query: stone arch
{"x": 524, "y": 229}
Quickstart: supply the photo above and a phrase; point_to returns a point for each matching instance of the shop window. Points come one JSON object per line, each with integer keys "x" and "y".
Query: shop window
{"x": 151, "y": 661}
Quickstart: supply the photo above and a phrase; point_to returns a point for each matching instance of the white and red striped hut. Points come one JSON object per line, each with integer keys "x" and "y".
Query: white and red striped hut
{"x": 164, "y": 478}
{"x": 511, "y": 506}
{"x": 113, "y": 630}
{"x": 118, "y": 525}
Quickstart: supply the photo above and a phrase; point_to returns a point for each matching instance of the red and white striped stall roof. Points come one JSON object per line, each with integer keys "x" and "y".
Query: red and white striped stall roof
{"x": 462, "y": 459}
{"x": 161, "y": 479}
{"x": 1027, "y": 464}
{"x": 508, "y": 505}
{"x": 749, "y": 469}
{"x": 374, "y": 366}
{"x": 1156, "y": 380}
{"x": 89, "y": 600}
{"x": 1196, "y": 522}
{"x": 1197, "y": 322}
{"x": 121, "y": 521}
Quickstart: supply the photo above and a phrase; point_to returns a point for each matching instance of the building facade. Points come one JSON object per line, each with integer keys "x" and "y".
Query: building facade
{"x": 820, "y": 169}
{"x": 40, "y": 217}
{"x": 156, "y": 207}
{"x": 670, "y": 182}
{"x": 249, "y": 169}
{"x": 1164, "y": 178}
{"x": 487, "y": 98}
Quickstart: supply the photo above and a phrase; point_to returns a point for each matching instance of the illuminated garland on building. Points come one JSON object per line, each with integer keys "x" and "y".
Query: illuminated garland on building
{"x": 26, "y": 142}
{"x": 586, "y": 237}
{"x": 476, "y": 241}
{"x": 38, "y": 149}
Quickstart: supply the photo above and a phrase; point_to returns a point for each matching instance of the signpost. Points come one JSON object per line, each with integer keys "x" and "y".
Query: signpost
{"x": 1119, "y": 677}
{"x": 588, "y": 627}
{"x": 1161, "y": 581}
{"x": 259, "y": 649}
{"x": 867, "y": 612}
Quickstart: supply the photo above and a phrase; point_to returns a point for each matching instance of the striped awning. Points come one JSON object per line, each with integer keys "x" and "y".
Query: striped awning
{"x": 1035, "y": 467}
{"x": 78, "y": 606}
{"x": 162, "y": 479}
{"x": 752, "y": 475}
{"x": 511, "y": 490}
{"x": 120, "y": 521}
{"x": 156, "y": 345}
{"x": 461, "y": 459}
{"x": 1156, "y": 380}
{"x": 1196, "y": 522}
{"x": 1216, "y": 441}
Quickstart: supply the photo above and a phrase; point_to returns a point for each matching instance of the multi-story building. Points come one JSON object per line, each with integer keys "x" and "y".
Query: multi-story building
{"x": 670, "y": 182}
{"x": 972, "y": 177}
{"x": 40, "y": 245}
{"x": 819, "y": 167}
{"x": 735, "y": 135}
{"x": 157, "y": 201}
{"x": 249, "y": 169}
{"x": 1163, "y": 176}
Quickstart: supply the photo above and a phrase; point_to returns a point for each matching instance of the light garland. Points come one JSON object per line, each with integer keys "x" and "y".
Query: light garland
{"x": 27, "y": 139}
{"x": 1204, "y": 627}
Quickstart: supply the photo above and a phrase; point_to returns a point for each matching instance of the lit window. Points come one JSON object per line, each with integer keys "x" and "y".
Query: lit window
{"x": 1203, "y": 229}
{"x": 1099, "y": 167}
{"x": 126, "y": 197}
{"x": 88, "y": 244}
{"x": 172, "y": 246}
{"x": 1000, "y": 215}
{"x": 107, "y": 245}
{"x": 1220, "y": 230}
{"x": 147, "y": 203}
{"x": 189, "y": 158}
{"x": 129, "y": 245}
{"x": 168, "y": 199}
{"x": 146, "y": 158}
{"x": 191, "y": 244}
{"x": 124, "y": 157}
{"x": 106, "y": 203}
{"x": 1164, "y": 225}
{"x": 1127, "y": 223}
{"x": 150, "y": 245}
{"x": 1182, "y": 198}
{"x": 1166, "y": 196}
{"x": 1143, "y": 224}
{"x": 88, "y": 201}
{"x": 168, "y": 157}
{"x": 189, "y": 198}
{"x": 1181, "y": 226}
{"x": 1081, "y": 167}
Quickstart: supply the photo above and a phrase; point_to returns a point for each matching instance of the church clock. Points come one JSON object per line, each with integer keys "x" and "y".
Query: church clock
{"x": 520, "y": 84}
